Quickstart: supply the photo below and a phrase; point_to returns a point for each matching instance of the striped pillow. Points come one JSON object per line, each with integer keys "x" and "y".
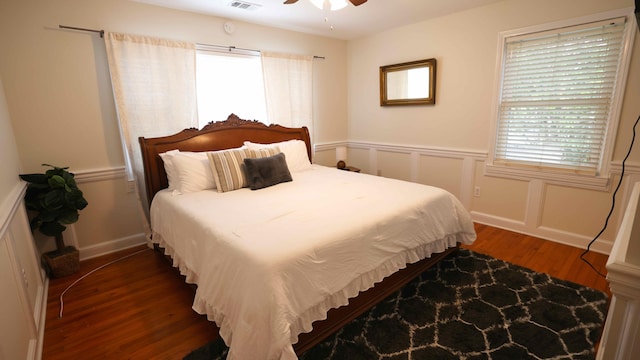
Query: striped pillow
{"x": 264, "y": 152}
{"x": 228, "y": 166}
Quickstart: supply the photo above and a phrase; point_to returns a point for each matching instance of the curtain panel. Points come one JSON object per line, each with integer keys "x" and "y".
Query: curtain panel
{"x": 288, "y": 83}
{"x": 154, "y": 87}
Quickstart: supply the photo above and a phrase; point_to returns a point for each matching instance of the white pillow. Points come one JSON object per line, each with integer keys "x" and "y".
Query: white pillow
{"x": 193, "y": 172}
{"x": 295, "y": 152}
{"x": 169, "y": 168}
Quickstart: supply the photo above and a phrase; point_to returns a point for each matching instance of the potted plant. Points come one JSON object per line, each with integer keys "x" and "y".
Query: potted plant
{"x": 56, "y": 201}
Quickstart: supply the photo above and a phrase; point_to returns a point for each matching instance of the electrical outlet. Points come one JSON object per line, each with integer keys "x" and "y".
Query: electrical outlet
{"x": 476, "y": 191}
{"x": 24, "y": 277}
{"x": 131, "y": 186}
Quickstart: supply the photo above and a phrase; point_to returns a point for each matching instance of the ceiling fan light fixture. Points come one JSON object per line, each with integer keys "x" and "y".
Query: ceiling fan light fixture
{"x": 331, "y": 5}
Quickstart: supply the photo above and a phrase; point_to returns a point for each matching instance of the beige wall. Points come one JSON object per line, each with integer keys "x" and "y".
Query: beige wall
{"x": 60, "y": 98}
{"x": 465, "y": 46}
{"x": 8, "y": 152}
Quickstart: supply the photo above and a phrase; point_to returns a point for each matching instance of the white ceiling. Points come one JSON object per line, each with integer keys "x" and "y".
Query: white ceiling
{"x": 349, "y": 23}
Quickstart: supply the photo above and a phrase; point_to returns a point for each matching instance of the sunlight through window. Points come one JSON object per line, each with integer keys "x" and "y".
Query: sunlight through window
{"x": 228, "y": 83}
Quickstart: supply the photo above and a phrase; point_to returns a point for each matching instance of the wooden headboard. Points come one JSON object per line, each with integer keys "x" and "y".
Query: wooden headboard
{"x": 220, "y": 135}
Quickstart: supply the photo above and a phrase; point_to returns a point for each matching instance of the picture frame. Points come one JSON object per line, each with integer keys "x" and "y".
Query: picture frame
{"x": 409, "y": 83}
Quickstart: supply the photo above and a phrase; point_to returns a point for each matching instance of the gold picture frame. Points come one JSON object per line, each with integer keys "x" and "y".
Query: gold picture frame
{"x": 409, "y": 83}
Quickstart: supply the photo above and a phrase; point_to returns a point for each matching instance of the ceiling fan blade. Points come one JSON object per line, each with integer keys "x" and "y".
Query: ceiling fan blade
{"x": 292, "y": 1}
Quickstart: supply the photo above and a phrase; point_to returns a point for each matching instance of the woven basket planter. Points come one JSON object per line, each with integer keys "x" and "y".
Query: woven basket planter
{"x": 58, "y": 264}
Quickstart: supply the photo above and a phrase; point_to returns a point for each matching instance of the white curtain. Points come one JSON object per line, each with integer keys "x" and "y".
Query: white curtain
{"x": 154, "y": 86}
{"x": 288, "y": 83}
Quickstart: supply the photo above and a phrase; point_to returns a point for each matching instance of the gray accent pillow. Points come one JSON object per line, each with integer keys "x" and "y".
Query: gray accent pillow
{"x": 267, "y": 171}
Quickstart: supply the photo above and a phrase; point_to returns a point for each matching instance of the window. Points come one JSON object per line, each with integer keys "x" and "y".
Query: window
{"x": 560, "y": 94}
{"x": 228, "y": 83}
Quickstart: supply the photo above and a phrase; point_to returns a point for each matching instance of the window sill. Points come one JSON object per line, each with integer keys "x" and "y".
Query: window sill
{"x": 598, "y": 183}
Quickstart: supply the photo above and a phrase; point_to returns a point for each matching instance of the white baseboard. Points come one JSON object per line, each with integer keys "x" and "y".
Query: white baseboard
{"x": 602, "y": 246}
{"x": 112, "y": 246}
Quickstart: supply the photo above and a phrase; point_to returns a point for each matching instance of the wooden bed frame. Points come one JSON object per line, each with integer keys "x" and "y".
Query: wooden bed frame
{"x": 232, "y": 133}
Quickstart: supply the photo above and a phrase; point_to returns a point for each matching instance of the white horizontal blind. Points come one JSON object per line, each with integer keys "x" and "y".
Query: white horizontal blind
{"x": 557, "y": 89}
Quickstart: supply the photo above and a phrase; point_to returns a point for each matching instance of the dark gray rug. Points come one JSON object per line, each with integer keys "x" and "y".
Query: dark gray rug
{"x": 469, "y": 306}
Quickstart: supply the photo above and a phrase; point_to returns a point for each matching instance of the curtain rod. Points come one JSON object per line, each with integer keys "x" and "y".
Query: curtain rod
{"x": 101, "y": 32}
{"x": 231, "y": 48}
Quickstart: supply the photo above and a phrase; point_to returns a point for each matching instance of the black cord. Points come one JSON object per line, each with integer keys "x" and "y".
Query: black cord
{"x": 613, "y": 203}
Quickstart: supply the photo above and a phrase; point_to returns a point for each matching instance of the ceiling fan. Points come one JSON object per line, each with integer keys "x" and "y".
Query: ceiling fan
{"x": 354, "y": 2}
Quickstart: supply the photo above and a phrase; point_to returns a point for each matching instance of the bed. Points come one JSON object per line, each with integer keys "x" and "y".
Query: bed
{"x": 280, "y": 268}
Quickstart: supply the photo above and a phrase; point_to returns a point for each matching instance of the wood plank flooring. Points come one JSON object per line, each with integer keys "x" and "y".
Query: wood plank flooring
{"x": 140, "y": 308}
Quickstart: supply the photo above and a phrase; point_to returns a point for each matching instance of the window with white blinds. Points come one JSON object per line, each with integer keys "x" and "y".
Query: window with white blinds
{"x": 556, "y": 96}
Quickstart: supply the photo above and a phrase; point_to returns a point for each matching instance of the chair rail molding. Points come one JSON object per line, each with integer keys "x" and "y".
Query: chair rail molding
{"x": 111, "y": 173}
{"x": 11, "y": 204}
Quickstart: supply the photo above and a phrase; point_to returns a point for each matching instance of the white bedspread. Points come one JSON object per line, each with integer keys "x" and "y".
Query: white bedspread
{"x": 270, "y": 262}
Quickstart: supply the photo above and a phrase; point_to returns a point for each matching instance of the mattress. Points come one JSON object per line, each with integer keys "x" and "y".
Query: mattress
{"x": 269, "y": 262}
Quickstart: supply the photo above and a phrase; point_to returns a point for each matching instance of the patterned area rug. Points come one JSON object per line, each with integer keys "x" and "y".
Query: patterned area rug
{"x": 469, "y": 306}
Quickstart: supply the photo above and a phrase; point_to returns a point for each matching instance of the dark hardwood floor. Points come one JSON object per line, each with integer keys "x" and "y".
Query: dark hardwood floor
{"x": 140, "y": 308}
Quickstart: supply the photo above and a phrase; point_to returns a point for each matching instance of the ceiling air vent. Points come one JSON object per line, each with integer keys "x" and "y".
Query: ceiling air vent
{"x": 243, "y": 5}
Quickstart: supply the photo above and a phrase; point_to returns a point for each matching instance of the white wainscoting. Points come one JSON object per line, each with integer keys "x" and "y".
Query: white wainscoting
{"x": 621, "y": 335}
{"x": 23, "y": 283}
{"x": 468, "y": 158}
{"x": 530, "y": 225}
{"x": 414, "y": 152}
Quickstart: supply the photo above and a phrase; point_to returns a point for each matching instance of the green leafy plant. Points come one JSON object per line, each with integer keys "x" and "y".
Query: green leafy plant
{"x": 56, "y": 199}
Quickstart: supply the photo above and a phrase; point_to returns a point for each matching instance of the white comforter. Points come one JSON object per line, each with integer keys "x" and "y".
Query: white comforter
{"x": 270, "y": 262}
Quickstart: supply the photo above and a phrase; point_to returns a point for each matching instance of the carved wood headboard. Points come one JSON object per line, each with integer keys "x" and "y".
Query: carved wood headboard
{"x": 220, "y": 135}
